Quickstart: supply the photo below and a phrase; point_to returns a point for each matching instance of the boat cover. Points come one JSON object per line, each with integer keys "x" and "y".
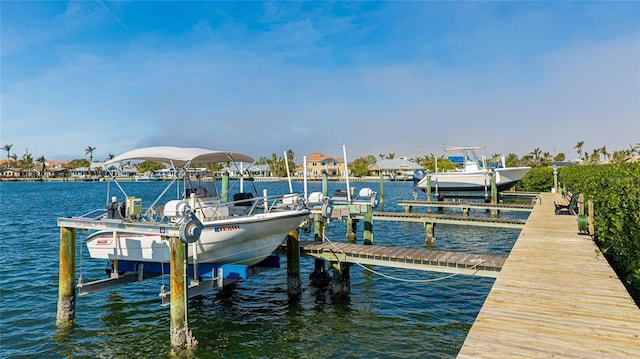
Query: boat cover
{"x": 180, "y": 156}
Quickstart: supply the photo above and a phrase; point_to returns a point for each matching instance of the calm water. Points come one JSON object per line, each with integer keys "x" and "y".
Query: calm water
{"x": 254, "y": 319}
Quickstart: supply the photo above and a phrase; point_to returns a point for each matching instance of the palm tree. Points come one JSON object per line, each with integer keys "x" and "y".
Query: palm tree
{"x": 276, "y": 165}
{"x": 536, "y": 154}
{"x": 578, "y": 148}
{"x": 42, "y": 161}
{"x": 89, "y": 151}
{"x": 8, "y": 149}
{"x": 603, "y": 151}
{"x": 26, "y": 161}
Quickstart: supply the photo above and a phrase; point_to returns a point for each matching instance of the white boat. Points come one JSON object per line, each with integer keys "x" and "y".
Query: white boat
{"x": 147, "y": 178}
{"x": 244, "y": 231}
{"x": 473, "y": 176}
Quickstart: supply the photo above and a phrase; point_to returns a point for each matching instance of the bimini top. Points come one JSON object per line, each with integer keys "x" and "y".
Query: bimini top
{"x": 459, "y": 149}
{"x": 180, "y": 156}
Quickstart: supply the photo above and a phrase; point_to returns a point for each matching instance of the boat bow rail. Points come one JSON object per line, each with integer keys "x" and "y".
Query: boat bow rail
{"x": 117, "y": 225}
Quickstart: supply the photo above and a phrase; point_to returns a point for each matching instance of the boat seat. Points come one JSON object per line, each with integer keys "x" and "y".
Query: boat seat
{"x": 243, "y": 199}
{"x": 215, "y": 212}
{"x": 212, "y": 209}
{"x": 200, "y": 192}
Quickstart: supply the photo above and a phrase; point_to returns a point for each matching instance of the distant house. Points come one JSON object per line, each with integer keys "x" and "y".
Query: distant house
{"x": 30, "y": 173}
{"x": 259, "y": 171}
{"x": 317, "y": 163}
{"x": 233, "y": 169}
{"x": 80, "y": 172}
{"x": 54, "y": 172}
{"x": 10, "y": 172}
{"x": 55, "y": 165}
{"x": 395, "y": 168}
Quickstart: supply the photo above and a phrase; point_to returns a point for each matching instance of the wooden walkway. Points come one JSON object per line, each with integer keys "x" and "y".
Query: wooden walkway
{"x": 476, "y": 205}
{"x": 447, "y": 219}
{"x": 556, "y": 296}
{"x": 483, "y": 265}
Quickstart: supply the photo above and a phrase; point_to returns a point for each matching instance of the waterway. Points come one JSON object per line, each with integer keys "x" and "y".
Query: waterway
{"x": 382, "y": 318}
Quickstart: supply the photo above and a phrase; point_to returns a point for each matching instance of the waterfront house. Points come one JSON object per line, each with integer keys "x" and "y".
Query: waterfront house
{"x": 317, "y": 163}
{"x": 400, "y": 168}
{"x": 233, "y": 169}
{"x": 10, "y": 172}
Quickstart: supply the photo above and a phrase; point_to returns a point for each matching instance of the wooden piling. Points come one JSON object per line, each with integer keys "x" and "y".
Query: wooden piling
{"x": 325, "y": 184}
{"x": 351, "y": 233}
{"x": 293, "y": 263}
{"x": 341, "y": 279}
{"x": 581, "y": 204}
{"x": 431, "y": 239}
{"x": 319, "y": 277}
{"x": 180, "y": 336}
{"x": 368, "y": 226}
{"x": 591, "y": 214}
{"x": 494, "y": 194}
{"x": 67, "y": 277}
{"x": 224, "y": 197}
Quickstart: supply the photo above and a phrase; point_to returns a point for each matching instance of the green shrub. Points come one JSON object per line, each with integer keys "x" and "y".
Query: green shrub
{"x": 615, "y": 191}
{"x": 538, "y": 179}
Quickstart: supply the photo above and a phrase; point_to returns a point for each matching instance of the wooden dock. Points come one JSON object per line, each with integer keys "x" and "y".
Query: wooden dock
{"x": 556, "y": 296}
{"x": 408, "y": 258}
{"x": 447, "y": 219}
{"x": 475, "y": 205}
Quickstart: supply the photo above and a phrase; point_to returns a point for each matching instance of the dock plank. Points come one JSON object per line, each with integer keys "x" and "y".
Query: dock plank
{"x": 414, "y": 258}
{"x": 556, "y": 296}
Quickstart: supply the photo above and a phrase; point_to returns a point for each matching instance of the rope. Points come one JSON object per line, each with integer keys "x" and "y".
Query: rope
{"x": 397, "y": 278}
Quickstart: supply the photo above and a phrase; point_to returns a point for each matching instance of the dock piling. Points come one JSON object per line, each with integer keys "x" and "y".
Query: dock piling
{"x": 67, "y": 277}
{"x": 494, "y": 194}
{"x": 341, "y": 279}
{"x": 431, "y": 239}
{"x": 225, "y": 187}
{"x": 319, "y": 277}
{"x": 351, "y": 233}
{"x": 368, "y": 226}
{"x": 592, "y": 230}
{"x": 180, "y": 335}
{"x": 293, "y": 263}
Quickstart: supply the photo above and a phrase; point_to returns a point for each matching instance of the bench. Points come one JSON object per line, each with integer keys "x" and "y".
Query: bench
{"x": 567, "y": 205}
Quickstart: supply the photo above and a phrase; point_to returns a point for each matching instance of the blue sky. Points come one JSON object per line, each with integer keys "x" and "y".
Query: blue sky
{"x": 263, "y": 77}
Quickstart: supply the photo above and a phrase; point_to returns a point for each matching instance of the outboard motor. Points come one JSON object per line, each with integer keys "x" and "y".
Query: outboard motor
{"x": 418, "y": 175}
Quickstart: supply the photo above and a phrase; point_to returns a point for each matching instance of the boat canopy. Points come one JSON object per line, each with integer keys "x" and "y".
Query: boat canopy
{"x": 180, "y": 156}
{"x": 460, "y": 149}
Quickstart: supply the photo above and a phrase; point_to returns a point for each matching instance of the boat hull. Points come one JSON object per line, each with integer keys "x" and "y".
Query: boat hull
{"x": 474, "y": 181}
{"x": 237, "y": 240}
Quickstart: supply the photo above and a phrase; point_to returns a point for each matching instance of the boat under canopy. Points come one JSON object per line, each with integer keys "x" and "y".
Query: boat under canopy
{"x": 243, "y": 231}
